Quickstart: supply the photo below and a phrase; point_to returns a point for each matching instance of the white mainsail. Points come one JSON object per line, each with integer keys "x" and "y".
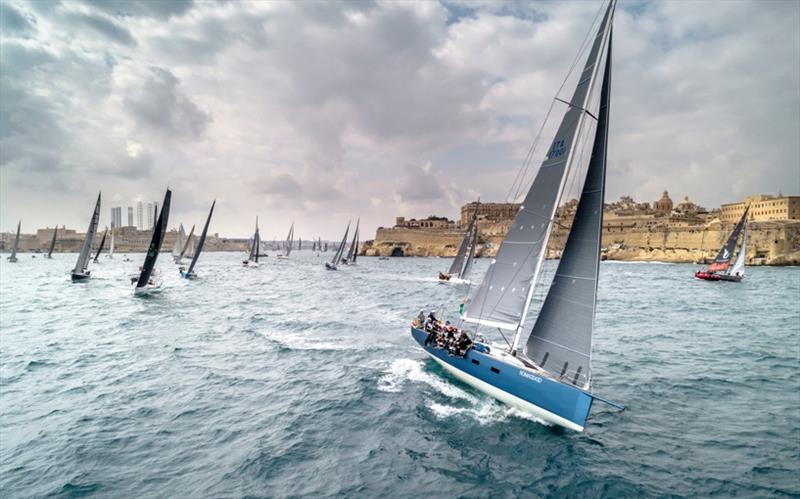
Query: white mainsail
{"x": 180, "y": 240}
{"x": 111, "y": 248}
{"x": 738, "y": 265}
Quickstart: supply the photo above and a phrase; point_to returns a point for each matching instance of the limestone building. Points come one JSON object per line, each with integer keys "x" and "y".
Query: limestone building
{"x": 664, "y": 205}
{"x": 763, "y": 208}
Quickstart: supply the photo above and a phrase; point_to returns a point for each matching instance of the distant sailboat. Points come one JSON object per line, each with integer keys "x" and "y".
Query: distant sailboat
{"x": 52, "y": 243}
{"x": 720, "y": 269}
{"x": 186, "y": 245}
{"x": 81, "y": 270}
{"x": 189, "y": 274}
{"x": 351, "y": 253}
{"x": 111, "y": 246}
{"x": 15, "y": 247}
{"x": 551, "y": 377}
{"x": 255, "y": 248}
{"x": 177, "y": 247}
{"x": 462, "y": 263}
{"x": 337, "y": 257}
{"x": 287, "y": 246}
{"x": 146, "y": 284}
{"x": 100, "y": 247}
{"x": 299, "y": 244}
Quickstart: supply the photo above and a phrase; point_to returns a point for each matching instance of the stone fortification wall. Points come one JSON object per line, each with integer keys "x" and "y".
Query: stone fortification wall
{"x": 769, "y": 243}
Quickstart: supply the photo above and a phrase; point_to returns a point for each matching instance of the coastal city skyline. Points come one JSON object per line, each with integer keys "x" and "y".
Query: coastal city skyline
{"x": 268, "y": 129}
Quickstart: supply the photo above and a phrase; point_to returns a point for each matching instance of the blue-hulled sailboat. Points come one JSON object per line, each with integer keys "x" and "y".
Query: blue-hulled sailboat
{"x": 550, "y": 377}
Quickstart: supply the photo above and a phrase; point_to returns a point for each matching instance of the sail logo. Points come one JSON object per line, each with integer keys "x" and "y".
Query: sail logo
{"x": 557, "y": 149}
{"x": 726, "y": 254}
{"x": 532, "y": 377}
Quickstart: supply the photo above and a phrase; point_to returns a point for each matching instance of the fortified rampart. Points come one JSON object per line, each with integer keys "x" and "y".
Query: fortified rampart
{"x": 662, "y": 231}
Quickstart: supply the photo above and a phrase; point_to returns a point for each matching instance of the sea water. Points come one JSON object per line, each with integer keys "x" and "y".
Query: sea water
{"x": 288, "y": 380}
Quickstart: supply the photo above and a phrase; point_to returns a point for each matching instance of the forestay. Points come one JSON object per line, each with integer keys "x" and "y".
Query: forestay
{"x": 502, "y": 298}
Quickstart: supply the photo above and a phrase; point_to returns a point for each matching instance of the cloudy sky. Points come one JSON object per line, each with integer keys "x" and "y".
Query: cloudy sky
{"x": 320, "y": 112}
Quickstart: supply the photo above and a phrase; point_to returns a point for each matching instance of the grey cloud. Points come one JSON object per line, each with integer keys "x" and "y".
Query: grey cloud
{"x": 14, "y": 22}
{"x": 420, "y": 184}
{"x": 103, "y": 26}
{"x": 160, "y": 104}
{"x": 31, "y": 136}
{"x": 162, "y": 9}
{"x": 127, "y": 166}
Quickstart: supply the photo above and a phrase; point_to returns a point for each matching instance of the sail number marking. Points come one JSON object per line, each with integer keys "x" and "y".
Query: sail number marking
{"x": 557, "y": 149}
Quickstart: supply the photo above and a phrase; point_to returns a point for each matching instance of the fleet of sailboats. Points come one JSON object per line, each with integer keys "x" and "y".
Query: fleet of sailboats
{"x": 721, "y": 269}
{"x": 550, "y": 377}
{"x": 81, "y": 270}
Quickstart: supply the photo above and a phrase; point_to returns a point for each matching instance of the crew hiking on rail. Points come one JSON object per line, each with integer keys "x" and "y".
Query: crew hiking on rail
{"x": 443, "y": 334}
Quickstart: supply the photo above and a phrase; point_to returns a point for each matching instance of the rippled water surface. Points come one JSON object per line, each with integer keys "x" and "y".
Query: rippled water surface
{"x": 288, "y": 380}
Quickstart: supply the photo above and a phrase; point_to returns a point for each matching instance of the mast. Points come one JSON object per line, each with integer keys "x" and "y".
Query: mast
{"x": 52, "y": 243}
{"x": 159, "y": 229}
{"x": 202, "y": 239}
{"x": 100, "y": 248}
{"x": 83, "y": 256}
{"x": 561, "y": 339}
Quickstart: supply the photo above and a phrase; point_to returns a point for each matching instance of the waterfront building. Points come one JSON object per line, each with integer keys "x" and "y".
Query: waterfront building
{"x": 139, "y": 215}
{"x": 664, "y": 205}
{"x": 130, "y": 216}
{"x": 763, "y": 207}
{"x": 116, "y": 217}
